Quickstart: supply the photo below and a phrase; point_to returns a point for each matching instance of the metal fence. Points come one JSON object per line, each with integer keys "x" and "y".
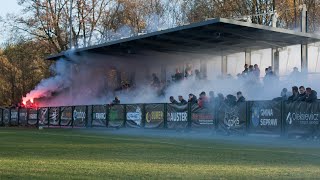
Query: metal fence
{"x": 253, "y": 117}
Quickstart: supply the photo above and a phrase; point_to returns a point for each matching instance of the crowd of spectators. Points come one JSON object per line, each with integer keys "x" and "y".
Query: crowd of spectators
{"x": 298, "y": 94}
{"x": 209, "y": 101}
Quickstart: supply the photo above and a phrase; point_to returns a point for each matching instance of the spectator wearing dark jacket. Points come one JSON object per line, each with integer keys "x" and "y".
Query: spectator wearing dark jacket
{"x": 116, "y": 100}
{"x": 192, "y": 99}
{"x": 182, "y": 101}
{"x": 311, "y": 95}
{"x": 302, "y": 93}
{"x": 295, "y": 94}
{"x": 172, "y": 100}
{"x": 240, "y": 98}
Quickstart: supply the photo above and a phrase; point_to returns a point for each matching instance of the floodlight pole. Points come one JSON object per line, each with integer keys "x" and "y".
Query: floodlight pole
{"x": 304, "y": 47}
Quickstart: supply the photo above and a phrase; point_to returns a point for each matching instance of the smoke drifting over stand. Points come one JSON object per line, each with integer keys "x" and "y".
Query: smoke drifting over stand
{"x": 89, "y": 79}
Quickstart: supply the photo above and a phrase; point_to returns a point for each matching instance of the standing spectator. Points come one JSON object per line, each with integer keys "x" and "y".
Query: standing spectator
{"x": 295, "y": 73}
{"x": 116, "y": 101}
{"x": 182, "y": 100}
{"x": 188, "y": 71}
{"x": 295, "y": 94}
{"x": 172, "y": 100}
{"x": 155, "y": 81}
{"x": 311, "y": 95}
{"x": 192, "y": 99}
{"x": 198, "y": 75}
{"x": 211, "y": 97}
{"x": 178, "y": 76}
{"x": 240, "y": 98}
{"x": 203, "y": 100}
{"x": 246, "y": 70}
{"x": 219, "y": 100}
{"x": 284, "y": 94}
{"x": 256, "y": 71}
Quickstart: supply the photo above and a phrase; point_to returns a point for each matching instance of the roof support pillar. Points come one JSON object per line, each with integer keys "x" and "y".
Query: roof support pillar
{"x": 275, "y": 60}
{"x": 304, "y": 47}
{"x": 224, "y": 65}
{"x": 304, "y": 58}
{"x": 203, "y": 68}
{"x": 248, "y": 57}
{"x": 163, "y": 75}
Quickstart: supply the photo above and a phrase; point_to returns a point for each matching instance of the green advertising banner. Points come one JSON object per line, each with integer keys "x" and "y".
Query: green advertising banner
{"x": 116, "y": 116}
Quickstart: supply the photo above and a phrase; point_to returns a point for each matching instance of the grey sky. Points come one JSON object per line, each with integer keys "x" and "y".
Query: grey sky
{"x": 7, "y": 6}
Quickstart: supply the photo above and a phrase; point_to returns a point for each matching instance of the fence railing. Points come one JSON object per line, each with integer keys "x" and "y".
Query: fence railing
{"x": 252, "y": 117}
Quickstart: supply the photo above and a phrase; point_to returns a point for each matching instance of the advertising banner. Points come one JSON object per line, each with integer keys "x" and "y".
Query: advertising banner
{"x": 1, "y": 117}
{"x": 33, "y": 117}
{"x": 23, "y": 114}
{"x": 134, "y": 116}
{"x": 177, "y": 116}
{"x": 14, "y": 117}
{"x": 99, "y": 116}
{"x": 66, "y": 116}
{"x": 6, "y": 117}
{"x": 232, "y": 119}
{"x": 302, "y": 118}
{"x": 54, "y": 116}
{"x": 202, "y": 117}
{"x": 265, "y": 117}
{"x": 80, "y": 116}
{"x": 43, "y": 117}
{"x": 116, "y": 116}
{"x": 154, "y": 116}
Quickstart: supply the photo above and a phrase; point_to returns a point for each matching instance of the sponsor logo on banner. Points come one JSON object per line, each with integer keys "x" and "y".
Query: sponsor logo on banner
{"x": 54, "y": 116}
{"x": 43, "y": 114}
{"x": 79, "y": 115}
{"x": 154, "y": 116}
{"x": 303, "y": 118}
{"x": 231, "y": 117}
{"x": 135, "y": 116}
{"x": 23, "y": 116}
{"x": 100, "y": 116}
{"x": 263, "y": 117}
{"x": 66, "y": 115}
{"x": 177, "y": 116}
{"x": 32, "y": 116}
{"x": 14, "y": 115}
{"x": 204, "y": 119}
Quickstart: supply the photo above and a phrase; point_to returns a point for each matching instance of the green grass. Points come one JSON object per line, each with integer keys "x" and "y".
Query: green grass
{"x": 74, "y": 154}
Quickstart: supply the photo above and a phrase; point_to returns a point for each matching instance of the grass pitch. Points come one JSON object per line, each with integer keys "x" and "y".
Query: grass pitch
{"x": 83, "y": 154}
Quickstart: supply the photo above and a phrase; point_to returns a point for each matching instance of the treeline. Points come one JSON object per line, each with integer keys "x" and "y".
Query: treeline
{"x": 22, "y": 67}
{"x": 49, "y": 26}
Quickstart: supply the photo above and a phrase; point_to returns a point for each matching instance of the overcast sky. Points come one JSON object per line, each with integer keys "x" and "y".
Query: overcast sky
{"x": 7, "y": 6}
